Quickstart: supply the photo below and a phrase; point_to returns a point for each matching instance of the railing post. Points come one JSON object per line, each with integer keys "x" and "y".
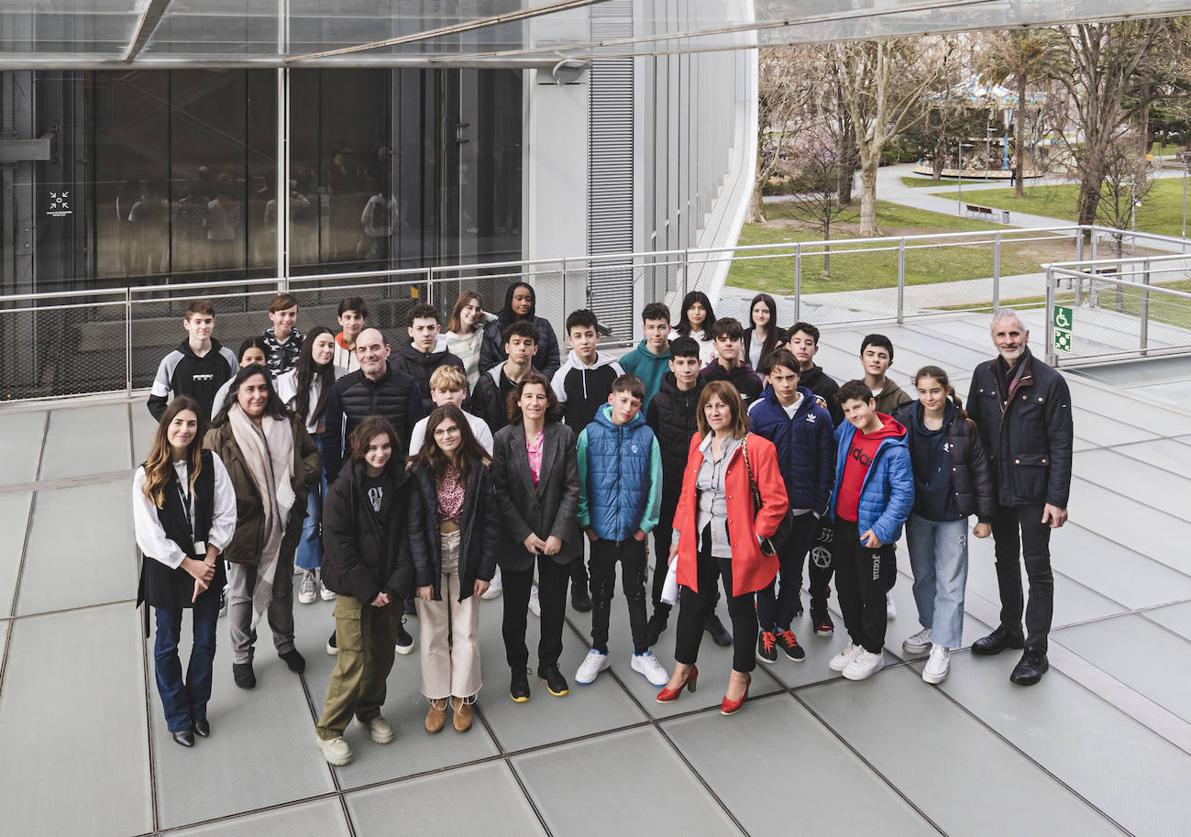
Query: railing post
{"x": 901, "y": 280}
{"x": 1052, "y": 357}
{"x": 429, "y": 300}
{"x": 1094, "y": 239}
{"x": 797, "y": 283}
{"x": 1145, "y": 309}
{"x": 128, "y": 342}
{"x": 996, "y": 288}
{"x": 686, "y": 269}
{"x": 564, "y": 285}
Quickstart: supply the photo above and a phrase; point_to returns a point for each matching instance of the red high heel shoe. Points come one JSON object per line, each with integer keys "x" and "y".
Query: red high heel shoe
{"x": 668, "y": 695}
{"x": 731, "y": 707}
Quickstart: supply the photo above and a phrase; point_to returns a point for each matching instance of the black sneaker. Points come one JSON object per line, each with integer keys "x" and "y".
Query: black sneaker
{"x": 295, "y": 661}
{"x": 580, "y": 599}
{"x": 556, "y": 684}
{"x": 243, "y": 675}
{"x": 657, "y": 624}
{"x": 767, "y": 647}
{"x": 405, "y": 642}
{"x": 823, "y": 624}
{"x": 519, "y": 685}
{"x": 789, "y": 643}
{"x": 719, "y": 634}
{"x": 332, "y": 647}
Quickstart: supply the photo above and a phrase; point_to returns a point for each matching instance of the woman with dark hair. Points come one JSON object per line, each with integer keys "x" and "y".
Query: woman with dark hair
{"x": 453, "y": 529}
{"x": 537, "y": 484}
{"x": 695, "y": 320}
{"x": 520, "y": 304}
{"x": 272, "y": 462}
{"x": 305, "y": 390}
{"x": 733, "y": 499}
{"x": 465, "y": 333}
{"x": 184, "y": 514}
{"x": 367, "y": 565}
{"x": 762, "y": 336}
{"x": 252, "y": 350}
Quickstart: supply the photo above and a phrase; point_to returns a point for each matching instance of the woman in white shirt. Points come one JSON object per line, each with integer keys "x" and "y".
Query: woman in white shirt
{"x": 184, "y": 514}
{"x": 465, "y": 333}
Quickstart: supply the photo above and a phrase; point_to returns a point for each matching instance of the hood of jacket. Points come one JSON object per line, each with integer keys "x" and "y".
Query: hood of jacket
{"x": 670, "y": 387}
{"x": 602, "y": 359}
{"x": 714, "y": 371}
{"x": 642, "y": 349}
{"x": 430, "y": 360}
{"x": 604, "y": 416}
{"x": 216, "y": 348}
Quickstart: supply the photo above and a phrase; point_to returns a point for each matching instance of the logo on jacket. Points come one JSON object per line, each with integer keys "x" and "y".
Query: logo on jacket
{"x": 634, "y": 448}
{"x": 810, "y": 417}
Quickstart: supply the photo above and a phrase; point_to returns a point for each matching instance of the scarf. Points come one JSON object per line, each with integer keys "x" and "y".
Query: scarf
{"x": 269, "y": 453}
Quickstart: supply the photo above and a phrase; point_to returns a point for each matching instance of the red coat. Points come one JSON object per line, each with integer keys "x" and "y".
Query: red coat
{"x": 752, "y": 570}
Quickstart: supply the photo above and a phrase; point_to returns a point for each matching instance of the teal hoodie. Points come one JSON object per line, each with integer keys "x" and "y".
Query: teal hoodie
{"x": 647, "y": 366}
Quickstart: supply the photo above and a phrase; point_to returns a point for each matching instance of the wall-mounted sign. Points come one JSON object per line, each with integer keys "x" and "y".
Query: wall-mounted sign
{"x": 59, "y": 205}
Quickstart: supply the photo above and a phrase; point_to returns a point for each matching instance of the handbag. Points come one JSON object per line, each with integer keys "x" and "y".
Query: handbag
{"x": 770, "y": 545}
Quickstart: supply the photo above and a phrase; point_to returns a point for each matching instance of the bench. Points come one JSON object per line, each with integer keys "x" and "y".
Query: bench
{"x": 979, "y": 211}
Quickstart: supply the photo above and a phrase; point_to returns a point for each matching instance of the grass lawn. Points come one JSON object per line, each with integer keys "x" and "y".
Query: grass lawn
{"x": 1160, "y": 212}
{"x": 861, "y": 270}
{"x": 920, "y": 182}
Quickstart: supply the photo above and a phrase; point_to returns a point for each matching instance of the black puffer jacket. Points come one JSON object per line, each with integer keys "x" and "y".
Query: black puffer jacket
{"x": 360, "y": 557}
{"x": 1026, "y": 430}
{"x": 824, "y": 386}
{"x": 671, "y": 415}
{"x": 421, "y": 365}
{"x": 972, "y": 482}
{"x": 479, "y": 527}
{"x": 355, "y": 397}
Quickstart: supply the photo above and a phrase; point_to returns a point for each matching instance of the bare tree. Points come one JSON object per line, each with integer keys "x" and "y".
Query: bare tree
{"x": 782, "y": 90}
{"x": 818, "y": 164}
{"x": 1126, "y": 184}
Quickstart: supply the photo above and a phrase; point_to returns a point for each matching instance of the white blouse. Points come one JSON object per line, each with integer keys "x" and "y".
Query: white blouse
{"x": 287, "y": 391}
{"x": 151, "y": 537}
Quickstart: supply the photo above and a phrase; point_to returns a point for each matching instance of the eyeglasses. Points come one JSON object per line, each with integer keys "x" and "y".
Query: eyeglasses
{"x": 445, "y": 431}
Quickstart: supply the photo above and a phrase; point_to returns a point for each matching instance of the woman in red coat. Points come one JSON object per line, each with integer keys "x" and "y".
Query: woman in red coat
{"x": 717, "y": 536}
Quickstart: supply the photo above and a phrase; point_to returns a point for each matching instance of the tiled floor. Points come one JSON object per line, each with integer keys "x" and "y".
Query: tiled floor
{"x": 1102, "y": 745}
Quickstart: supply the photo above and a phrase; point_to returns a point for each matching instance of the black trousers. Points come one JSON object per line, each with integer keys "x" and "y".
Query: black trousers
{"x": 777, "y": 603}
{"x": 663, "y": 537}
{"x": 693, "y": 609}
{"x": 862, "y": 578}
{"x": 1034, "y": 547}
{"x": 578, "y": 570}
{"x": 552, "y": 595}
{"x": 604, "y": 557}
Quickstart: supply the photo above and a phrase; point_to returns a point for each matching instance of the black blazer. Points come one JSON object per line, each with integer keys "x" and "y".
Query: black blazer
{"x": 551, "y": 508}
{"x": 479, "y": 529}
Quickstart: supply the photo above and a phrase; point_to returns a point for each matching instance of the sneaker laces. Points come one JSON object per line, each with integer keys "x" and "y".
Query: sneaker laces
{"x": 788, "y": 638}
{"x": 768, "y": 640}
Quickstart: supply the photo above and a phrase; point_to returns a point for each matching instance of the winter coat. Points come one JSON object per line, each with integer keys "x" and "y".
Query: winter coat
{"x": 671, "y": 416}
{"x": 805, "y": 447}
{"x": 1027, "y": 432}
{"x": 891, "y": 398}
{"x": 620, "y": 480}
{"x": 887, "y": 494}
{"x": 972, "y": 483}
{"x": 420, "y": 366}
{"x": 752, "y": 569}
{"x": 355, "y": 397}
{"x": 824, "y": 386}
{"x": 362, "y": 556}
{"x": 487, "y": 402}
{"x": 647, "y": 366}
{"x": 546, "y": 360}
{"x": 479, "y": 530}
{"x": 746, "y": 381}
{"x": 550, "y": 507}
{"x": 583, "y": 389}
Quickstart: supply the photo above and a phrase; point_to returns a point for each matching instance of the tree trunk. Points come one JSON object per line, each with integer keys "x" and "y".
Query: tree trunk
{"x": 847, "y": 168}
{"x": 757, "y": 207}
{"x": 826, "y": 248}
{"x": 1019, "y": 162}
{"x": 868, "y": 195}
{"x": 1089, "y": 196}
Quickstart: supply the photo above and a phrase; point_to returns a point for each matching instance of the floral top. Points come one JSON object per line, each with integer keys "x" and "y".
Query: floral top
{"x": 450, "y": 495}
{"x": 534, "y": 450}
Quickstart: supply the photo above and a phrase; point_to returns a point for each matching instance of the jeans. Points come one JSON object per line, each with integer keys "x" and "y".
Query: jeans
{"x": 604, "y": 556}
{"x": 185, "y": 702}
{"x": 939, "y": 561}
{"x": 693, "y": 609}
{"x": 862, "y": 578}
{"x": 1034, "y": 547}
{"x": 775, "y": 610}
{"x": 552, "y": 595}
{"x": 310, "y": 548}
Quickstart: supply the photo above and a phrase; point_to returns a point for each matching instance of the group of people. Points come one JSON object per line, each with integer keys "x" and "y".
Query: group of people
{"x": 465, "y": 464}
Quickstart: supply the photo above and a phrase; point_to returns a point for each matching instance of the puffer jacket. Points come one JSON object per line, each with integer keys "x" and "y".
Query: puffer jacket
{"x": 671, "y": 416}
{"x": 887, "y": 495}
{"x": 421, "y": 365}
{"x": 805, "y": 447}
{"x": 972, "y": 482}
{"x": 546, "y": 360}
{"x": 746, "y": 381}
{"x": 355, "y": 397}
{"x": 824, "y": 386}
{"x": 620, "y": 480}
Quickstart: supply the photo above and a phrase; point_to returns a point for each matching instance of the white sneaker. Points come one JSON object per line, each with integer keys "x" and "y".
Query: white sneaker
{"x": 308, "y": 589}
{"x": 919, "y": 643}
{"x": 864, "y": 665}
{"x": 590, "y": 668}
{"x": 938, "y": 666}
{"x": 324, "y": 592}
{"x": 890, "y": 608}
{"x": 495, "y": 587}
{"x": 647, "y": 665}
{"x": 381, "y": 730}
{"x": 535, "y": 607}
{"x": 336, "y": 751}
{"x": 840, "y": 661}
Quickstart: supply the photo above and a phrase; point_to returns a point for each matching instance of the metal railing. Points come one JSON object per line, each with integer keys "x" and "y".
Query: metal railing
{"x": 110, "y": 340}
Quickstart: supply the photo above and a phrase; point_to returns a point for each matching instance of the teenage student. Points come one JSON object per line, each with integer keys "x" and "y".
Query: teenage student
{"x": 282, "y": 338}
{"x": 454, "y": 525}
{"x": 465, "y": 333}
{"x": 871, "y": 499}
{"x": 762, "y": 336}
{"x": 876, "y": 356}
{"x": 695, "y": 320}
{"x": 520, "y": 306}
{"x": 420, "y": 357}
{"x": 353, "y": 315}
{"x": 448, "y": 385}
{"x": 718, "y": 528}
{"x": 184, "y": 515}
{"x": 1023, "y": 410}
{"x": 198, "y": 367}
{"x": 253, "y": 350}
{"x": 620, "y": 490}
{"x": 952, "y": 481}
{"x": 367, "y": 564}
{"x": 800, "y": 429}
{"x": 305, "y": 390}
{"x": 536, "y": 468}
{"x": 581, "y": 386}
{"x": 272, "y": 462}
{"x": 490, "y": 397}
{"x": 650, "y": 360}
{"x": 803, "y": 343}
{"x": 729, "y": 365}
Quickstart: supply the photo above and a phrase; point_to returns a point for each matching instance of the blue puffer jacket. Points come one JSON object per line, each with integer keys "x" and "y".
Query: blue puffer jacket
{"x": 887, "y": 495}
{"x": 805, "y": 447}
{"x": 620, "y": 477}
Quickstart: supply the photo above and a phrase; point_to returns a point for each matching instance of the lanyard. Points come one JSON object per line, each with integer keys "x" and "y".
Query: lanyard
{"x": 186, "y": 507}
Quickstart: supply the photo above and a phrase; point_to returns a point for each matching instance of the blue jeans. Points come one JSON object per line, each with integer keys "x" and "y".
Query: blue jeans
{"x": 939, "y": 560}
{"x": 310, "y": 548}
{"x": 185, "y": 702}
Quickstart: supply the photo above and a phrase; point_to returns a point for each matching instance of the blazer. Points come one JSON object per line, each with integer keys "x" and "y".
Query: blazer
{"x": 550, "y": 508}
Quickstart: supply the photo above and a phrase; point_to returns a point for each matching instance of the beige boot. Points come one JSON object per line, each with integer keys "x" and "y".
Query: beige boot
{"x": 436, "y": 717}
{"x": 461, "y": 707}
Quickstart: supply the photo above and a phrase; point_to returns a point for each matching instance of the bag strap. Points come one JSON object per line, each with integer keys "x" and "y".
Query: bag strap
{"x": 753, "y": 491}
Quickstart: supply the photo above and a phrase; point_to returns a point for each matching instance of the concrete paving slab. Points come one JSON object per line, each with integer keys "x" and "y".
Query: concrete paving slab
{"x": 1155, "y": 487}
{"x": 816, "y": 801}
{"x": 1175, "y": 617}
{"x": 1133, "y": 412}
{"x": 73, "y": 707}
{"x": 624, "y": 775}
{"x": 1105, "y": 430}
{"x": 144, "y": 426}
{"x": 953, "y": 757}
{"x": 1142, "y": 655}
{"x": 323, "y": 818}
{"x": 86, "y": 440}
{"x": 4, "y": 623}
{"x": 20, "y": 446}
{"x": 484, "y": 799}
{"x": 1169, "y": 454}
{"x": 1094, "y": 748}
{"x": 14, "y": 516}
{"x": 64, "y": 570}
{"x": 1131, "y": 578}
{"x": 1122, "y": 519}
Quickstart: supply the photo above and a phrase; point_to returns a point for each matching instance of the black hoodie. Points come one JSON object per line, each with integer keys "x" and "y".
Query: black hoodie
{"x": 824, "y": 386}
{"x": 182, "y": 372}
{"x": 671, "y": 415}
{"x": 421, "y": 365}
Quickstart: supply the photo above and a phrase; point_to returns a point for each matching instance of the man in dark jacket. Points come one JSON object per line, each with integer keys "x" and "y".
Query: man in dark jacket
{"x": 418, "y": 360}
{"x": 800, "y": 428}
{"x": 1023, "y": 410}
{"x": 729, "y": 364}
{"x": 803, "y": 343}
{"x": 489, "y": 399}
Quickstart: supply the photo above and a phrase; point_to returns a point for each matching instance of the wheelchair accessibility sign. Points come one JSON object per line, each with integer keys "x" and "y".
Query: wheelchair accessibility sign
{"x": 1063, "y": 320}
